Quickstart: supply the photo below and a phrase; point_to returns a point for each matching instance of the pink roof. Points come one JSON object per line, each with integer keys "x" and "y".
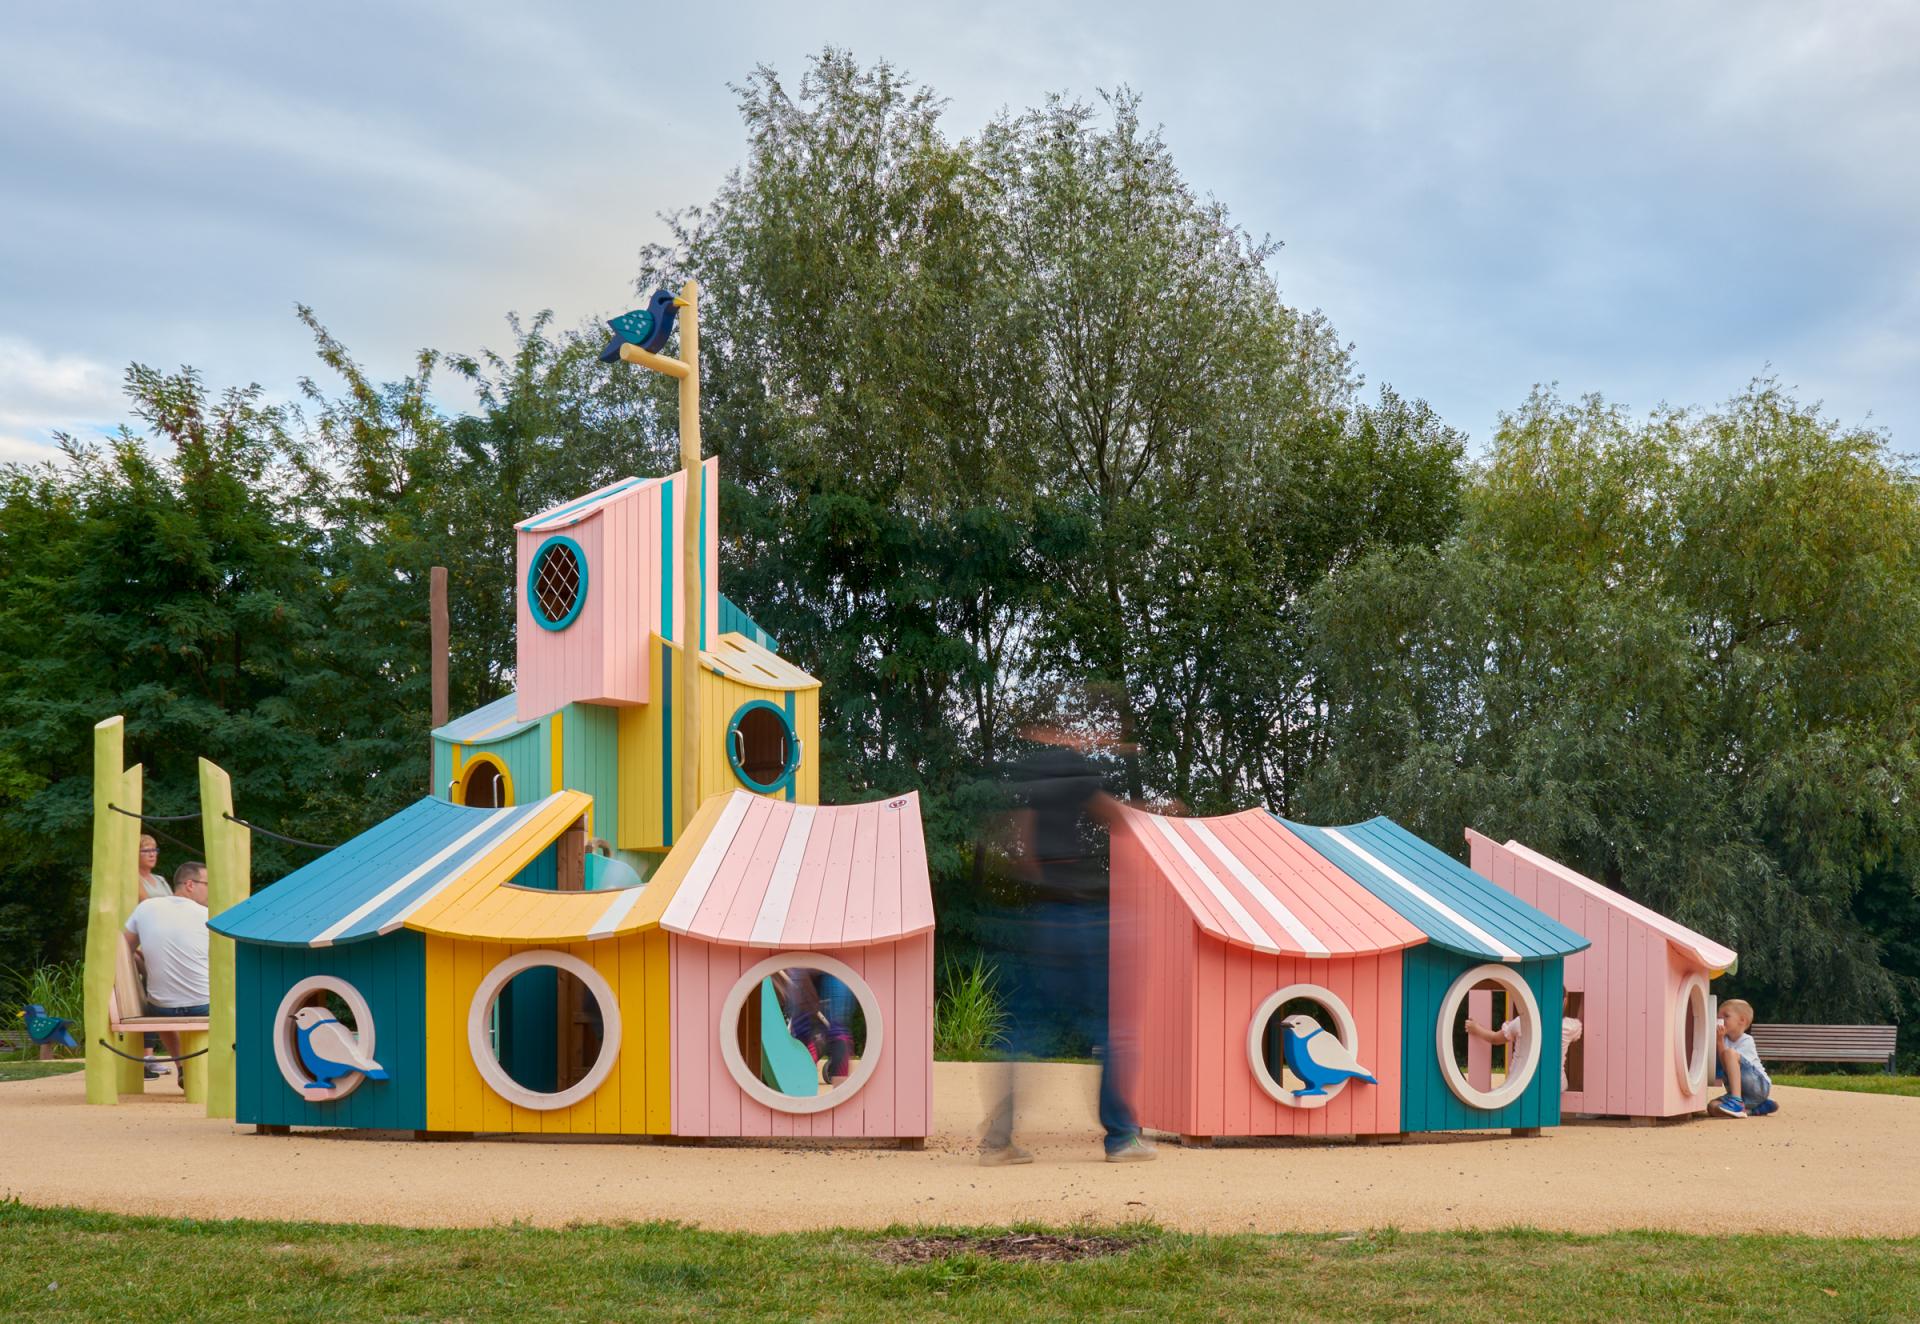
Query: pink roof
{"x": 765, "y": 873}
{"x": 1248, "y": 879}
{"x": 1705, "y": 950}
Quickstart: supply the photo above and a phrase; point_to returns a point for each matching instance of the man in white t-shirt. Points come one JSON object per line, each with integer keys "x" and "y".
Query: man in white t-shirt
{"x": 168, "y": 935}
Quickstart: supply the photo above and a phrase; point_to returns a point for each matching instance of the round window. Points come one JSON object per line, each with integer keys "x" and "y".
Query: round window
{"x": 557, "y": 583}
{"x": 761, "y": 745}
{"x": 1519, "y": 1032}
{"x": 323, "y": 1039}
{"x": 1692, "y": 1039}
{"x": 544, "y": 1029}
{"x": 484, "y": 785}
{"x": 801, "y": 1032}
{"x": 1303, "y": 1046}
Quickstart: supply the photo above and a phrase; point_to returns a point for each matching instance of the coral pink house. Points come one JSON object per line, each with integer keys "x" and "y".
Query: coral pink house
{"x": 759, "y": 886}
{"x": 1641, "y": 991}
{"x": 1217, "y": 923}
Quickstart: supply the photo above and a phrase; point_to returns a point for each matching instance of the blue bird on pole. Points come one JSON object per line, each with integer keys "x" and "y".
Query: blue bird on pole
{"x": 329, "y": 1050}
{"x": 645, "y": 328}
{"x": 1319, "y": 1058}
{"x": 45, "y": 1029}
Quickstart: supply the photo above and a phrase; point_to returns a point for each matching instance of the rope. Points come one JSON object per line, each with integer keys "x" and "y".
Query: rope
{"x": 156, "y": 818}
{"x": 158, "y": 1058}
{"x": 186, "y": 846}
{"x": 277, "y": 836}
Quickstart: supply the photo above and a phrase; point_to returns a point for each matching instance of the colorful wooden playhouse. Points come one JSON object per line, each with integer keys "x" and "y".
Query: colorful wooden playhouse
{"x": 1223, "y": 925}
{"x": 1641, "y": 990}
{"x": 554, "y": 940}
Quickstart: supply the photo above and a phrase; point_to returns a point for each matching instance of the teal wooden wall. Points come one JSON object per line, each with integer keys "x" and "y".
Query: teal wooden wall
{"x": 1426, "y": 1104}
{"x": 590, "y": 749}
{"x": 391, "y": 974}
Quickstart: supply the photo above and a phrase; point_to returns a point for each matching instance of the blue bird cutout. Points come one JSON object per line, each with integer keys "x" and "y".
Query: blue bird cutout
{"x": 647, "y": 328}
{"x": 329, "y": 1050}
{"x": 1318, "y": 1058}
{"x": 45, "y": 1029}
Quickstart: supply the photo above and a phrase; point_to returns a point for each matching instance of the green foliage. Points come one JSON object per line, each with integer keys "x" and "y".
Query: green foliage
{"x": 56, "y": 986}
{"x": 969, "y": 1012}
{"x": 1855, "y": 1082}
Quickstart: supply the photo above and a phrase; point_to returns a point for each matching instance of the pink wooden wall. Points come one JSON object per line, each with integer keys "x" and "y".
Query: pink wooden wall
{"x": 896, "y": 1101}
{"x": 1185, "y": 999}
{"x": 601, "y": 657}
{"x": 1630, "y": 979}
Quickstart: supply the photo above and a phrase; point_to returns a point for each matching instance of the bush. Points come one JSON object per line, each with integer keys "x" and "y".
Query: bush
{"x": 970, "y": 1014}
{"x": 57, "y": 987}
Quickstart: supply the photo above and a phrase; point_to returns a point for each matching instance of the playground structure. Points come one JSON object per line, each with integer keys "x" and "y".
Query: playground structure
{"x": 1222, "y": 927}
{"x": 1642, "y": 990}
{"x": 579, "y": 930}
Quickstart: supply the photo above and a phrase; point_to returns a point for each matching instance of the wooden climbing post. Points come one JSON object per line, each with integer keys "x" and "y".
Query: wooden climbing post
{"x": 113, "y": 893}
{"x": 229, "y": 882}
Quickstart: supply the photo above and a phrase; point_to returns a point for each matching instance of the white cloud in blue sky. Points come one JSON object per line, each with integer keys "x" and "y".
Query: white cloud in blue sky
{"x": 1655, "y": 201}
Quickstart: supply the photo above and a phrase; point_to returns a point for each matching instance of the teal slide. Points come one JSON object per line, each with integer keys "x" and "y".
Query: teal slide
{"x": 785, "y": 1062}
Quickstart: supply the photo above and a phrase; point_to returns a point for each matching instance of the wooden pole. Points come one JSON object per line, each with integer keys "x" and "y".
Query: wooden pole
{"x": 116, "y": 855}
{"x": 694, "y": 596}
{"x": 229, "y": 882}
{"x": 437, "y": 578}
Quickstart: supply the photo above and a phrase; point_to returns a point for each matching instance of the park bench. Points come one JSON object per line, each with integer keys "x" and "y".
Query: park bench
{"x": 1825, "y": 1043}
{"x": 127, "y": 1004}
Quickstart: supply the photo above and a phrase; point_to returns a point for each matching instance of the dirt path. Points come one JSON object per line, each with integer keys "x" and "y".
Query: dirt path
{"x": 1828, "y": 1163}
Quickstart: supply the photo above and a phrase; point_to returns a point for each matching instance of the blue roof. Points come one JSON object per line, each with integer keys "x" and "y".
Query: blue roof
{"x": 1454, "y": 906}
{"x": 487, "y": 723}
{"x": 370, "y": 884}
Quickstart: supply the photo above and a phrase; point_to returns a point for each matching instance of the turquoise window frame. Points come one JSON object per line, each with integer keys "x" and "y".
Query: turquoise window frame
{"x": 733, "y": 747}
{"x": 540, "y": 618}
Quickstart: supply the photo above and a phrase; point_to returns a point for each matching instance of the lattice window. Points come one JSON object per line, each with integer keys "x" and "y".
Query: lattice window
{"x": 558, "y": 584}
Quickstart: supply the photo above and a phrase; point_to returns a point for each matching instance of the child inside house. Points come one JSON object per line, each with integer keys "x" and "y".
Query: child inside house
{"x": 1512, "y": 1033}
{"x": 1737, "y": 1062}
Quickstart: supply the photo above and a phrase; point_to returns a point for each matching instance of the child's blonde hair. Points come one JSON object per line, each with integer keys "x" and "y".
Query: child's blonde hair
{"x": 1739, "y": 1007}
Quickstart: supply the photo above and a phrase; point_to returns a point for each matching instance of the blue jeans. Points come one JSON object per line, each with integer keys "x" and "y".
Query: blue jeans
{"x": 1060, "y": 979}
{"x": 1754, "y": 1087}
{"x": 185, "y": 1013}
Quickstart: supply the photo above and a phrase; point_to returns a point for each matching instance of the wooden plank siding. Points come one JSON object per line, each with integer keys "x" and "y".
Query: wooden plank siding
{"x": 1427, "y": 1104}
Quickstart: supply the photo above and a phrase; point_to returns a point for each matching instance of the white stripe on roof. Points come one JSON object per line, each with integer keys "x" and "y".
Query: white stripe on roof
{"x": 453, "y": 875}
{"x": 1506, "y": 953}
{"x": 771, "y": 922}
{"x": 699, "y": 880}
{"x": 1255, "y": 935}
{"x": 406, "y": 880}
{"x": 572, "y": 512}
{"x": 1270, "y": 903}
{"x": 612, "y": 917}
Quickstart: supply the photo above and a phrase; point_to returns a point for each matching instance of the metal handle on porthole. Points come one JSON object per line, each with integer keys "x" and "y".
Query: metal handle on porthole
{"x": 739, "y": 748}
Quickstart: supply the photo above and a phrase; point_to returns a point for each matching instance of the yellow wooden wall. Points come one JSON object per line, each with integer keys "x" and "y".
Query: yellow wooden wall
{"x": 636, "y": 1099}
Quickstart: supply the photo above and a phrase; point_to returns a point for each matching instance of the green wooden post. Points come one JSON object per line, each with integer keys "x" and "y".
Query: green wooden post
{"x": 116, "y": 855}
{"x": 229, "y": 882}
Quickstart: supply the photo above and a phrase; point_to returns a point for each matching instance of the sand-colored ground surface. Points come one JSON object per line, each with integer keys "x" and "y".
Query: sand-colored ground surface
{"x": 1828, "y": 1163}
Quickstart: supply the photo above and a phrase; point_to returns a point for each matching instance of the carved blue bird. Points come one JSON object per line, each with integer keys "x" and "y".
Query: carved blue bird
{"x": 1318, "y": 1058}
{"x": 329, "y": 1050}
{"x": 647, "y": 328}
{"x": 45, "y": 1029}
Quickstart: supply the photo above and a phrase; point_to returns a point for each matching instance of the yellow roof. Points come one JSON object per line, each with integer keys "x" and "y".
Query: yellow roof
{"x": 739, "y": 658}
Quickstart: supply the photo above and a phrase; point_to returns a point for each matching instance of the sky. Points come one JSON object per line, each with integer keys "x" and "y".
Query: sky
{"x": 1657, "y": 202}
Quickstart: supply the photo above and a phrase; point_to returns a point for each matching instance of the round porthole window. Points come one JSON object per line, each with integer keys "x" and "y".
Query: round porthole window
{"x": 323, "y": 1039}
{"x": 1692, "y": 1036}
{"x": 762, "y": 746}
{"x": 576, "y": 1020}
{"x": 1524, "y": 1052}
{"x": 557, "y": 583}
{"x": 1303, "y": 1046}
{"x": 811, "y": 1047}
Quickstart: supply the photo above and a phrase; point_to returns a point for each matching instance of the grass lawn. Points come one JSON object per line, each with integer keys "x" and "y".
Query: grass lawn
{"x": 1862, "y": 1084}
{"x": 68, "y": 1265}
{"x": 33, "y": 1070}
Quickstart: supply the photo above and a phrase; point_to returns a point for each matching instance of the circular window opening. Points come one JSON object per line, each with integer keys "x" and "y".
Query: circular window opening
{"x": 1304, "y": 1047}
{"x": 1511, "y": 1030}
{"x": 484, "y": 785}
{"x": 324, "y": 1039}
{"x": 544, "y": 1029}
{"x": 1691, "y": 1038}
{"x": 801, "y": 1032}
{"x": 557, "y": 584}
{"x": 762, "y": 746}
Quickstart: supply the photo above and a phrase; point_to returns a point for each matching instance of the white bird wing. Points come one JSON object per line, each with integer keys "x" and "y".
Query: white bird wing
{"x": 330, "y": 1042}
{"x": 1324, "y": 1050}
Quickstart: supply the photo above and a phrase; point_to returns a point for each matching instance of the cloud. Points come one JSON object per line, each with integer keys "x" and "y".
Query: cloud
{"x": 42, "y": 393}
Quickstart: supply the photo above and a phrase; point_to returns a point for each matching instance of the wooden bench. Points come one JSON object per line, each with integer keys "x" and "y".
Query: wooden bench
{"x": 1826, "y": 1043}
{"x": 129, "y": 993}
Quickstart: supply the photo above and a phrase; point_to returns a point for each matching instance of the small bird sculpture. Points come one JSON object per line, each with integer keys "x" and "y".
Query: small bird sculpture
{"x": 45, "y": 1029}
{"x": 647, "y": 328}
{"x": 329, "y": 1050}
{"x": 1319, "y": 1058}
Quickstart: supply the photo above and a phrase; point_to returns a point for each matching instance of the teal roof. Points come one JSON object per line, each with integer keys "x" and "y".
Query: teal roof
{"x": 487, "y": 723}
{"x": 1454, "y": 906}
